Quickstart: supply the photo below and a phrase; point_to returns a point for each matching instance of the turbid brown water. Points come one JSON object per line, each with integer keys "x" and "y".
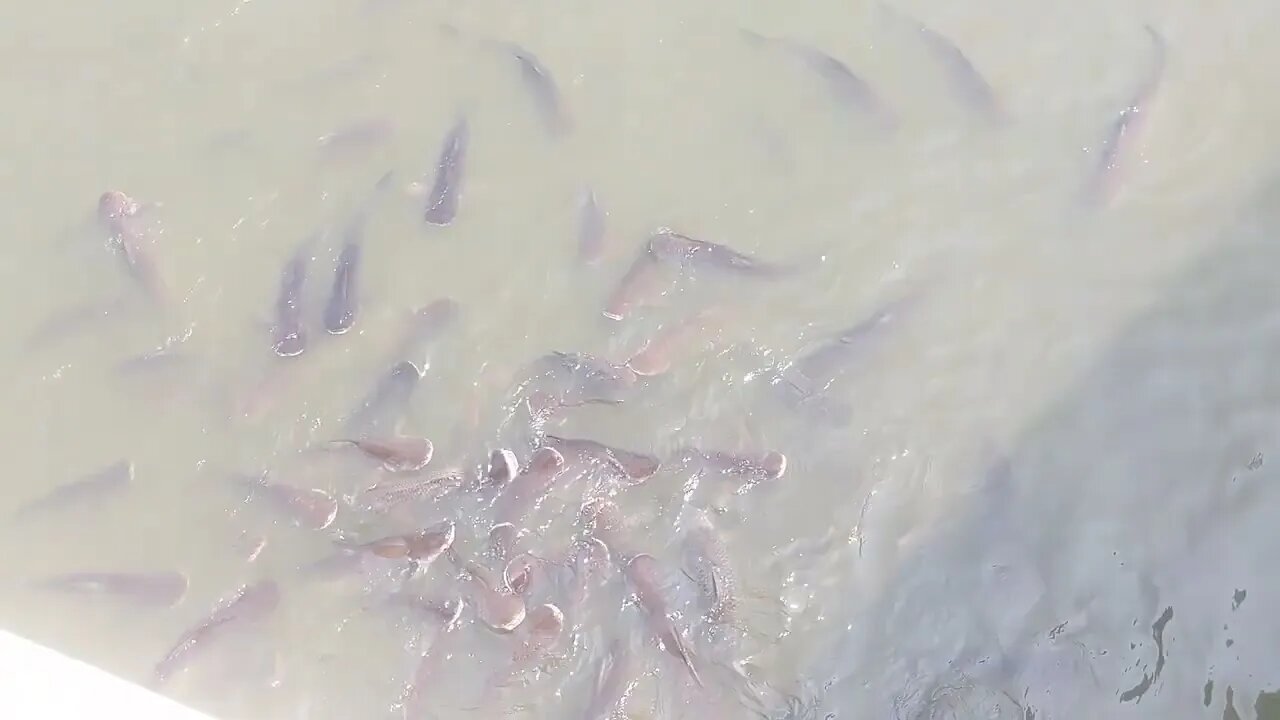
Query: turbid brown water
{"x": 1115, "y": 361}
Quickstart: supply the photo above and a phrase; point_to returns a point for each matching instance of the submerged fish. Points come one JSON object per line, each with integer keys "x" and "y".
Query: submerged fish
{"x": 360, "y": 134}
{"x": 130, "y": 236}
{"x": 707, "y": 563}
{"x": 655, "y": 357}
{"x": 386, "y": 495}
{"x": 633, "y": 466}
{"x": 442, "y": 199}
{"x": 290, "y": 337}
{"x": 546, "y": 95}
{"x": 570, "y": 379}
{"x": 425, "y": 328}
{"x": 612, "y": 679}
{"x": 642, "y": 572}
{"x": 846, "y": 86}
{"x": 688, "y": 253}
{"x": 966, "y": 82}
{"x": 311, "y": 508}
{"x": 591, "y": 227}
{"x": 501, "y": 468}
{"x": 145, "y": 588}
{"x": 752, "y": 468}
{"x": 397, "y": 454}
{"x": 521, "y": 494}
{"x": 638, "y": 287}
{"x": 90, "y": 489}
{"x": 253, "y": 603}
{"x": 387, "y": 402}
{"x": 340, "y": 312}
{"x": 1126, "y": 131}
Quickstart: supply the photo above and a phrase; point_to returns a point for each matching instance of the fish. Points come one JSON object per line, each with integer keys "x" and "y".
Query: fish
{"x": 540, "y": 632}
{"x": 500, "y": 611}
{"x": 642, "y": 573}
{"x": 91, "y": 489}
{"x": 633, "y": 466}
{"x": 163, "y": 589}
{"x": 638, "y": 287}
{"x": 442, "y": 199}
{"x": 818, "y": 367}
{"x": 289, "y": 335}
{"x": 542, "y": 87}
{"x": 687, "y": 253}
{"x": 707, "y": 564}
{"x": 386, "y": 495}
{"x": 655, "y": 357}
{"x": 397, "y": 454}
{"x": 413, "y": 553}
{"x": 251, "y": 604}
{"x": 357, "y": 135}
{"x": 571, "y": 379}
{"x": 590, "y": 564}
{"x": 965, "y": 80}
{"x": 502, "y": 467}
{"x": 613, "y": 678}
{"x": 591, "y": 227}
{"x": 387, "y": 402}
{"x": 521, "y": 494}
{"x": 752, "y": 468}
{"x": 425, "y": 328}
{"x": 846, "y": 86}
{"x": 1126, "y": 130}
{"x": 310, "y": 508}
{"x": 120, "y": 214}
{"x": 340, "y": 311}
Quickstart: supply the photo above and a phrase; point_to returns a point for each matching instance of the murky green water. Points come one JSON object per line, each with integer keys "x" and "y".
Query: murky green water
{"x": 1119, "y": 359}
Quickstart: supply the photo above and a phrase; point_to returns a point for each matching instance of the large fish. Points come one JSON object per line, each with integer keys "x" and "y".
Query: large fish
{"x": 387, "y": 403}
{"x": 542, "y": 87}
{"x": 424, "y": 329}
{"x": 642, "y": 572}
{"x": 91, "y": 489}
{"x": 520, "y": 495}
{"x": 442, "y": 198}
{"x": 591, "y": 227}
{"x": 1126, "y": 131}
{"x": 688, "y": 253}
{"x": 340, "y": 311}
{"x": 846, "y": 86}
{"x": 289, "y": 334}
{"x": 253, "y": 603}
{"x": 120, "y": 214}
{"x": 964, "y": 79}
{"x": 163, "y": 589}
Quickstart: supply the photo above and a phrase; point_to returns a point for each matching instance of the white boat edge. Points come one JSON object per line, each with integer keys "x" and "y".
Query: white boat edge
{"x": 39, "y": 683}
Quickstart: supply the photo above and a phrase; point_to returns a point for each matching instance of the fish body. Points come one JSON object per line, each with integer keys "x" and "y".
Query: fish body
{"x": 162, "y": 589}
{"x": 542, "y": 87}
{"x": 387, "y": 402}
{"x": 397, "y": 454}
{"x": 289, "y": 335}
{"x": 639, "y": 286}
{"x": 442, "y": 199}
{"x": 613, "y": 678}
{"x": 90, "y": 489}
{"x": 591, "y": 227}
{"x": 642, "y": 573}
{"x": 340, "y": 312}
{"x": 656, "y": 356}
{"x": 689, "y": 253}
{"x": 633, "y": 466}
{"x": 966, "y": 82}
{"x": 425, "y": 328}
{"x": 1127, "y": 129}
{"x": 252, "y": 603}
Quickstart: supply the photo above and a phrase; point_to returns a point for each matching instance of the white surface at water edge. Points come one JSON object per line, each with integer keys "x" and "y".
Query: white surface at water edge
{"x": 41, "y": 684}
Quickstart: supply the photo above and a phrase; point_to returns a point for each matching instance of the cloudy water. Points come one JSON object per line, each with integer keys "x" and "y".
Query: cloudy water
{"x": 691, "y": 360}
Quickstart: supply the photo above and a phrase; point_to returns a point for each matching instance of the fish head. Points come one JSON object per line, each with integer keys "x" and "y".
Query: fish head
{"x": 113, "y": 205}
